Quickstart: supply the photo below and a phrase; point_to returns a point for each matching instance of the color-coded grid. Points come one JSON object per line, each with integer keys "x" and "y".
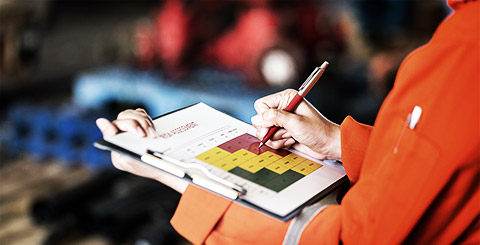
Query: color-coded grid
{"x": 273, "y": 169}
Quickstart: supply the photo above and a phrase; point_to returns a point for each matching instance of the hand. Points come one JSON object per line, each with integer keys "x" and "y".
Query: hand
{"x": 139, "y": 122}
{"x": 305, "y": 129}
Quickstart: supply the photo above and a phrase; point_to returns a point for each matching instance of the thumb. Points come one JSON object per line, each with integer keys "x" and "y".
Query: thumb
{"x": 106, "y": 127}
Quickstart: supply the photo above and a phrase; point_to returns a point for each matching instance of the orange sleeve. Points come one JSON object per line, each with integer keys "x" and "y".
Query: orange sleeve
{"x": 197, "y": 213}
{"x": 203, "y": 217}
{"x": 355, "y": 138}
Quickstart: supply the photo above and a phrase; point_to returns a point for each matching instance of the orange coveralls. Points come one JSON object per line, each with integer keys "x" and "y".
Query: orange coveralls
{"x": 425, "y": 192}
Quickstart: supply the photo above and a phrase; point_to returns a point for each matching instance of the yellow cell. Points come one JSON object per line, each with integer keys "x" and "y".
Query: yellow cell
{"x": 312, "y": 165}
{"x": 227, "y": 166}
{"x": 244, "y": 154}
{"x": 251, "y": 167}
{"x": 270, "y": 155}
{"x": 262, "y": 161}
{"x": 285, "y": 162}
{"x": 294, "y": 157}
{"x": 279, "y": 169}
{"x": 302, "y": 169}
{"x": 207, "y": 158}
{"x": 234, "y": 159}
{"x": 218, "y": 152}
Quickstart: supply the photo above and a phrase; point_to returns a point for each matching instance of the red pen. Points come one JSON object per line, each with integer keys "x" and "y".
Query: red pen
{"x": 302, "y": 92}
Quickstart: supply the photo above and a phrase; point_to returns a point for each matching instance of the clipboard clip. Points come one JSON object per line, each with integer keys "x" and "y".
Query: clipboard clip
{"x": 180, "y": 169}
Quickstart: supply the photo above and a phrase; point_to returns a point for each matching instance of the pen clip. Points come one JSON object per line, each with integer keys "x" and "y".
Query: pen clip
{"x": 312, "y": 79}
{"x": 309, "y": 78}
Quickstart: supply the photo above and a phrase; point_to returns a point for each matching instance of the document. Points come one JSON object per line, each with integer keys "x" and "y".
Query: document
{"x": 215, "y": 151}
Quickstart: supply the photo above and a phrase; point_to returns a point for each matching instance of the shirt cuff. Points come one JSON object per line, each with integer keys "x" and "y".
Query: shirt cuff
{"x": 354, "y": 138}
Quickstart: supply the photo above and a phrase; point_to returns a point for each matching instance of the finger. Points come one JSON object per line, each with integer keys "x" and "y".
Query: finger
{"x": 141, "y": 110}
{"x": 289, "y": 142}
{"x": 276, "y": 144}
{"x": 287, "y": 134}
{"x": 257, "y": 128}
{"x": 141, "y": 117}
{"x": 152, "y": 130}
{"x": 143, "y": 120}
{"x": 278, "y": 100}
{"x": 258, "y": 122}
{"x": 149, "y": 119}
{"x": 106, "y": 127}
{"x": 262, "y": 132}
{"x": 279, "y": 134}
{"x": 130, "y": 125}
{"x": 281, "y": 118}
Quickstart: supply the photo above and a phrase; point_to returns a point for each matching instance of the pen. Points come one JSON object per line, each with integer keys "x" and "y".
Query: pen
{"x": 302, "y": 92}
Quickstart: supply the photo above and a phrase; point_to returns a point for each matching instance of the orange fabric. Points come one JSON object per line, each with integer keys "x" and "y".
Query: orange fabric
{"x": 241, "y": 225}
{"x": 195, "y": 218}
{"x": 199, "y": 212}
{"x": 427, "y": 192}
{"x": 354, "y": 141}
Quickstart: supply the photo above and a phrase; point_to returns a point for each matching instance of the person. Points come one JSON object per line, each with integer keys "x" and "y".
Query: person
{"x": 414, "y": 175}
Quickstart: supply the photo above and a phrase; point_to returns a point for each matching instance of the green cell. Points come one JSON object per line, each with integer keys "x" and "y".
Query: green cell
{"x": 283, "y": 181}
{"x": 264, "y": 176}
{"x": 268, "y": 178}
{"x": 243, "y": 173}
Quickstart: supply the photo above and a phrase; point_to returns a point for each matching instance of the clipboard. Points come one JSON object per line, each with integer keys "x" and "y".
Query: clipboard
{"x": 191, "y": 136}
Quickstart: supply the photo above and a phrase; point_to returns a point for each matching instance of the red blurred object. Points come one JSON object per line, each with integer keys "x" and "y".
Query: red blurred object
{"x": 166, "y": 39}
{"x": 171, "y": 32}
{"x": 232, "y": 34}
{"x": 255, "y": 32}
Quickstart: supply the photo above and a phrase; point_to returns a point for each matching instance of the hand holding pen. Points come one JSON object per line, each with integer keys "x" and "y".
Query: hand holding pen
{"x": 305, "y": 129}
{"x": 302, "y": 92}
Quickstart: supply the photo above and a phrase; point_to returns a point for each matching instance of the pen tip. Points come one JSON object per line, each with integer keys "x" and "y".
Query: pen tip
{"x": 260, "y": 145}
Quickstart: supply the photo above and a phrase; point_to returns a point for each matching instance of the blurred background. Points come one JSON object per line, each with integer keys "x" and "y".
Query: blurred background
{"x": 64, "y": 63}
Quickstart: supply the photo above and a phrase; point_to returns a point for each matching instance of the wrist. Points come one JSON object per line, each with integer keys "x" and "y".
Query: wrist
{"x": 334, "y": 143}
